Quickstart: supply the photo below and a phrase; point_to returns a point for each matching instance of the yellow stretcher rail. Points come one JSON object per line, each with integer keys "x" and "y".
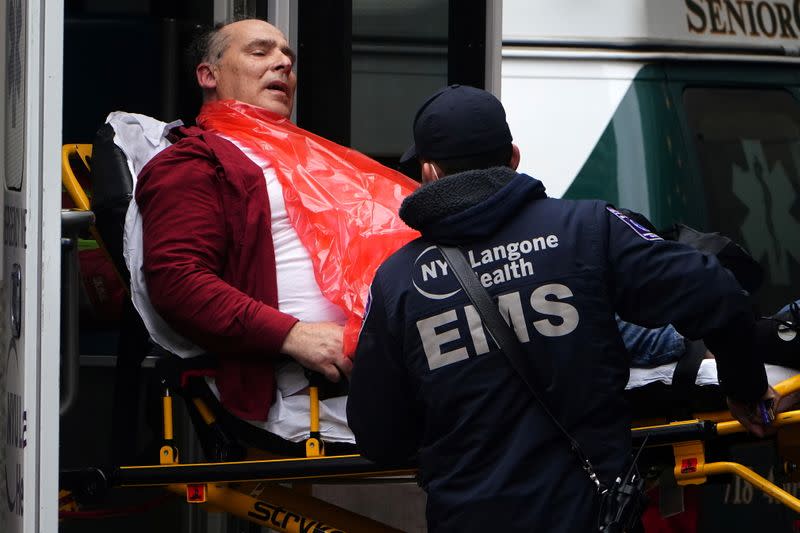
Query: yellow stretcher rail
{"x": 280, "y": 510}
{"x": 788, "y": 386}
{"x": 68, "y": 178}
{"x": 690, "y": 466}
{"x": 762, "y": 484}
{"x": 296, "y": 512}
{"x": 781, "y": 419}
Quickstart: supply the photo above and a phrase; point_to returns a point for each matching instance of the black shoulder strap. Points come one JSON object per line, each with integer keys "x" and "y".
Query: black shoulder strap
{"x": 684, "y": 378}
{"x": 505, "y": 338}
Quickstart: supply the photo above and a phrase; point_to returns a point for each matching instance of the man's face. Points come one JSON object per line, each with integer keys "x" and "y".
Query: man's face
{"x": 256, "y": 67}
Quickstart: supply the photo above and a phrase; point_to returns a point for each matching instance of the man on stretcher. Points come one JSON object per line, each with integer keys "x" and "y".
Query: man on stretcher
{"x": 658, "y": 355}
{"x": 779, "y": 333}
{"x": 234, "y": 251}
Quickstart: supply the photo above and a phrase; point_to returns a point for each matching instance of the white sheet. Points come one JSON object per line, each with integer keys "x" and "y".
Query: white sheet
{"x": 706, "y": 375}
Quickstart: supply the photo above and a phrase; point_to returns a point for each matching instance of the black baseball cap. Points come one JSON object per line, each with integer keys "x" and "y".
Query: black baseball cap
{"x": 458, "y": 121}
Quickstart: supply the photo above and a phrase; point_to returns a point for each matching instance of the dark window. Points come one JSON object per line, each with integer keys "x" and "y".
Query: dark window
{"x": 399, "y": 58}
{"x": 748, "y": 147}
{"x": 129, "y": 55}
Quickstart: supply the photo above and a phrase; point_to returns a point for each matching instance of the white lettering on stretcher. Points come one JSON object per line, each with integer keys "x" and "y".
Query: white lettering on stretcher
{"x": 444, "y": 328}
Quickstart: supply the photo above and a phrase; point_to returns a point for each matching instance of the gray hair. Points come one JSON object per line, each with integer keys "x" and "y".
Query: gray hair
{"x": 210, "y": 45}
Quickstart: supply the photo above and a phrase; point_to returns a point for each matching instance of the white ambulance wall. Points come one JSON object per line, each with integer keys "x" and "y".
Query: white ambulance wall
{"x": 524, "y": 20}
{"x": 557, "y": 110}
{"x": 29, "y": 360}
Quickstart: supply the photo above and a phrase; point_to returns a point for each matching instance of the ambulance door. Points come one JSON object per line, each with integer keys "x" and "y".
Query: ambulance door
{"x": 30, "y": 125}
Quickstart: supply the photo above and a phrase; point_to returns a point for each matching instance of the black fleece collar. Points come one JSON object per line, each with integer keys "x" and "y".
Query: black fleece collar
{"x": 469, "y": 204}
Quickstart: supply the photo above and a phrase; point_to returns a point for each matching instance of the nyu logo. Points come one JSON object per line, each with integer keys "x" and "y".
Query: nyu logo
{"x": 431, "y": 275}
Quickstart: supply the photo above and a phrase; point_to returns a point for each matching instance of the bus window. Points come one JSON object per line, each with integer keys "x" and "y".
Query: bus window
{"x": 748, "y": 148}
{"x": 399, "y": 58}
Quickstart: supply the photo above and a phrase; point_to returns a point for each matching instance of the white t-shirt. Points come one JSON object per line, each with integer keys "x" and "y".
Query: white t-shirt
{"x": 299, "y": 295}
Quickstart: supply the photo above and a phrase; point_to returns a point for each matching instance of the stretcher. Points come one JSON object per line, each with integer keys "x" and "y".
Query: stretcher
{"x": 690, "y": 451}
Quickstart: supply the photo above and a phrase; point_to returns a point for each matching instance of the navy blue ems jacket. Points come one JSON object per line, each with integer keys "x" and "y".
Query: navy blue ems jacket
{"x": 429, "y": 380}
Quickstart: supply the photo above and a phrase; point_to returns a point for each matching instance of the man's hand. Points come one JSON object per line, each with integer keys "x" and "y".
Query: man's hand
{"x": 318, "y": 346}
{"x": 751, "y": 415}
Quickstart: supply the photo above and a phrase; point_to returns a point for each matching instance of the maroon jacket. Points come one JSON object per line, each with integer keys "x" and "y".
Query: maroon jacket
{"x": 209, "y": 262}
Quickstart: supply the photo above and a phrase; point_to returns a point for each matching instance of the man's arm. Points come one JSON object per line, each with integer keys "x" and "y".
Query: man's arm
{"x": 318, "y": 346}
{"x": 380, "y": 406}
{"x": 651, "y": 346}
{"x": 185, "y": 245}
{"x": 656, "y": 282}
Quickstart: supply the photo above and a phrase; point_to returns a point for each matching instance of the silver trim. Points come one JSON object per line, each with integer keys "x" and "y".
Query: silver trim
{"x": 283, "y": 15}
{"x": 515, "y": 52}
{"x": 659, "y": 44}
{"x": 400, "y": 49}
{"x": 494, "y": 46}
{"x": 223, "y": 10}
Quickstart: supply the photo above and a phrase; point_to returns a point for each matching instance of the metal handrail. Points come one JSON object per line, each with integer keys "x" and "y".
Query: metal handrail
{"x": 72, "y": 223}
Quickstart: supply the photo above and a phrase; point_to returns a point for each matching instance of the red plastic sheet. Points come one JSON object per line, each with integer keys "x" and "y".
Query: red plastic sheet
{"x": 342, "y": 203}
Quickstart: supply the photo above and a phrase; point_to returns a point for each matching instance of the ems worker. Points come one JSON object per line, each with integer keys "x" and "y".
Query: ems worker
{"x": 429, "y": 381}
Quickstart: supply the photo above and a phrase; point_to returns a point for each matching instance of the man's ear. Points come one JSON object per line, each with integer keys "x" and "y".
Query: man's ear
{"x": 515, "y": 157}
{"x": 429, "y": 172}
{"x": 206, "y": 76}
